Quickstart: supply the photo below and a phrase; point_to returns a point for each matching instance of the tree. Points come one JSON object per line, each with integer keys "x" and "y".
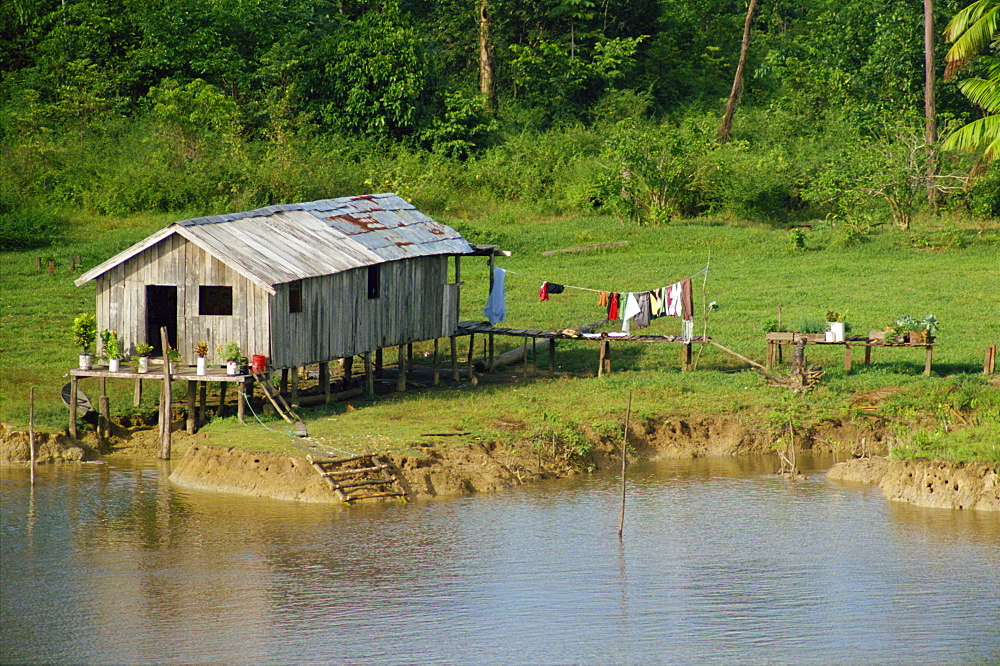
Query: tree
{"x": 727, "y": 119}
{"x": 930, "y": 111}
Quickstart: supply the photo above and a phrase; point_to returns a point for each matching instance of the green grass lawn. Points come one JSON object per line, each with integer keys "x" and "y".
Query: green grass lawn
{"x": 943, "y": 269}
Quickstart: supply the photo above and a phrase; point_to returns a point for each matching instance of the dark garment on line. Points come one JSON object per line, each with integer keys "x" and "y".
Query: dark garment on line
{"x": 642, "y": 319}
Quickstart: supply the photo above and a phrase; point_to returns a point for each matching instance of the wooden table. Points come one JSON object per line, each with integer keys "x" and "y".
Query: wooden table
{"x": 775, "y": 341}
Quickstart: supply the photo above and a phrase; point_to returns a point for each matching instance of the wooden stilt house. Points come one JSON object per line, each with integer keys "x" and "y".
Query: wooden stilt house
{"x": 299, "y": 283}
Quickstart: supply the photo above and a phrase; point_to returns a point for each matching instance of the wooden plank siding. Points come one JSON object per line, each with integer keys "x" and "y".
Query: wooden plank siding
{"x": 339, "y": 320}
{"x": 174, "y": 261}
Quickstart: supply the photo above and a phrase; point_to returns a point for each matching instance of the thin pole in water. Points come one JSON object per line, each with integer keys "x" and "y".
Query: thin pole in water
{"x": 31, "y": 431}
{"x": 628, "y": 417}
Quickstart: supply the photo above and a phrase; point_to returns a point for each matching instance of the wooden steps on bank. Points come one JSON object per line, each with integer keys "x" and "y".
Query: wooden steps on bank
{"x": 359, "y": 477}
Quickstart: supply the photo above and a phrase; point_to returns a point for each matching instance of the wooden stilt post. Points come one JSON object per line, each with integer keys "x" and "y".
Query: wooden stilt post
{"x": 369, "y": 376}
{"x": 990, "y": 364}
{"x": 524, "y": 357}
{"x": 454, "y": 358}
{"x": 73, "y": 392}
{"x": 686, "y": 356}
{"x": 243, "y": 392}
{"x": 436, "y": 375}
{"x": 137, "y": 393}
{"x": 604, "y": 358}
{"x": 103, "y": 411}
{"x": 192, "y": 408}
{"x": 223, "y": 387}
{"x": 324, "y": 380}
{"x": 378, "y": 363}
{"x": 492, "y": 355}
{"x": 295, "y": 387}
{"x": 348, "y": 364}
{"x": 552, "y": 356}
{"x": 409, "y": 357}
{"x": 166, "y": 398}
{"x": 401, "y": 371}
{"x": 927, "y": 360}
{"x": 202, "y": 403}
{"x": 283, "y": 385}
{"x": 472, "y": 350}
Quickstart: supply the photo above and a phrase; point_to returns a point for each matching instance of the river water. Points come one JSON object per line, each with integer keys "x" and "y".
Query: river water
{"x": 721, "y": 562}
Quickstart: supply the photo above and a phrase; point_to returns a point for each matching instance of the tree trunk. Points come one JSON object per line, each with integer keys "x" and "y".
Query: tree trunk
{"x": 722, "y": 136}
{"x": 485, "y": 57}
{"x": 930, "y": 108}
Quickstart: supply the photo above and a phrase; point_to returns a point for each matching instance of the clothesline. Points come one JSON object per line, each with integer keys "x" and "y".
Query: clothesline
{"x": 597, "y": 291}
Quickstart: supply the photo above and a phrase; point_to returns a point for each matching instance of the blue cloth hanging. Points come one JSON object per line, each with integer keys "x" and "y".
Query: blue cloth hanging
{"x": 496, "y": 305}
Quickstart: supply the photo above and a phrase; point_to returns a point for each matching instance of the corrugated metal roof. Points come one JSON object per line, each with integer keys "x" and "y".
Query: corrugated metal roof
{"x": 288, "y": 242}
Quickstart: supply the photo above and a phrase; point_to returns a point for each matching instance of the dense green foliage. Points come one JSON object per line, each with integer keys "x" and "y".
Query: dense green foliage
{"x": 124, "y": 106}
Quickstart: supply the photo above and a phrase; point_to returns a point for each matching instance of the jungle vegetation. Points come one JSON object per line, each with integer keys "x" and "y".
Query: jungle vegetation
{"x": 118, "y": 107}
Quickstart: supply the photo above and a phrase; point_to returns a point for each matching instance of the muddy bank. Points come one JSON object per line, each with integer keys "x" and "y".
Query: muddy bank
{"x": 474, "y": 466}
{"x": 930, "y": 483}
{"x": 49, "y": 448}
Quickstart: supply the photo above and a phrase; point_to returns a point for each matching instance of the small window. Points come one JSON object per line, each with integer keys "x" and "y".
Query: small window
{"x": 374, "y": 281}
{"x": 295, "y": 296}
{"x": 215, "y": 300}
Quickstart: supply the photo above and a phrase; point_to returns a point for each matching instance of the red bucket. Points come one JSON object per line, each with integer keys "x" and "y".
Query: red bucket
{"x": 258, "y": 362}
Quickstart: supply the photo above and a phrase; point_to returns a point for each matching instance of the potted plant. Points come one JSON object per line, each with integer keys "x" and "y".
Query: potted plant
{"x": 173, "y": 357}
{"x": 200, "y": 352}
{"x": 835, "y": 320}
{"x": 925, "y": 329}
{"x": 231, "y": 354}
{"x": 112, "y": 349}
{"x": 85, "y": 332}
{"x": 143, "y": 349}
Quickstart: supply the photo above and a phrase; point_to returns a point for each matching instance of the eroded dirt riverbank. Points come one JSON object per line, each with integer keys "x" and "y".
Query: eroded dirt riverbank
{"x": 464, "y": 467}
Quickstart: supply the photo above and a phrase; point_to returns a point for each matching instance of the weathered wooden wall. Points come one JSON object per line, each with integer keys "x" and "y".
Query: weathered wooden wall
{"x": 174, "y": 261}
{"x": 339, "y": 320}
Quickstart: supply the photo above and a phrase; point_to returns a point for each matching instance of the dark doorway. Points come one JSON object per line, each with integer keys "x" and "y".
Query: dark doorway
{"x": 161, "y": 310}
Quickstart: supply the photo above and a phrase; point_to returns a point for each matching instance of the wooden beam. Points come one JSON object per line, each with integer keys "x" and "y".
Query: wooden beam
{"x": 103, "y": 410}
{"x": 166, "y": 398}
{"x": 401, "y": 370}
{"x": 192, "y": 416}
{"x": 222, "y": 398}
{"x": 244, "y": 391}
{"x": 324, "y": 380}
{"x": 347, "y": 364}
{"x": 472, "y": 349}
{"x": 202, "y": 403}
{"x": 369, "y": 376}
{"x": 73, "y": 392}
{"x": 436, "y": 365}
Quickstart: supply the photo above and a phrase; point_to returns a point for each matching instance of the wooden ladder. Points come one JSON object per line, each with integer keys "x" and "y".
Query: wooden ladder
{"x": 359, "y": 477}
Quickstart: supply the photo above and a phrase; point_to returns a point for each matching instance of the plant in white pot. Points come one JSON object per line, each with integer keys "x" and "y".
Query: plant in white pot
{"x": 143, "y": 349}
{"x": 231, "y": 354}
{"x": 112, "y": 349}
{"x": 200, "y": 352}
{"x": 85, "y": 332}
{"x": 173, "y": 357}
{"x": 835, "y": 320}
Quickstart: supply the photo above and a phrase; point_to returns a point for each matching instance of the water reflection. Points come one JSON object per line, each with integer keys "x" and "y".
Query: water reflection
{"x": 721, "y": 562}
